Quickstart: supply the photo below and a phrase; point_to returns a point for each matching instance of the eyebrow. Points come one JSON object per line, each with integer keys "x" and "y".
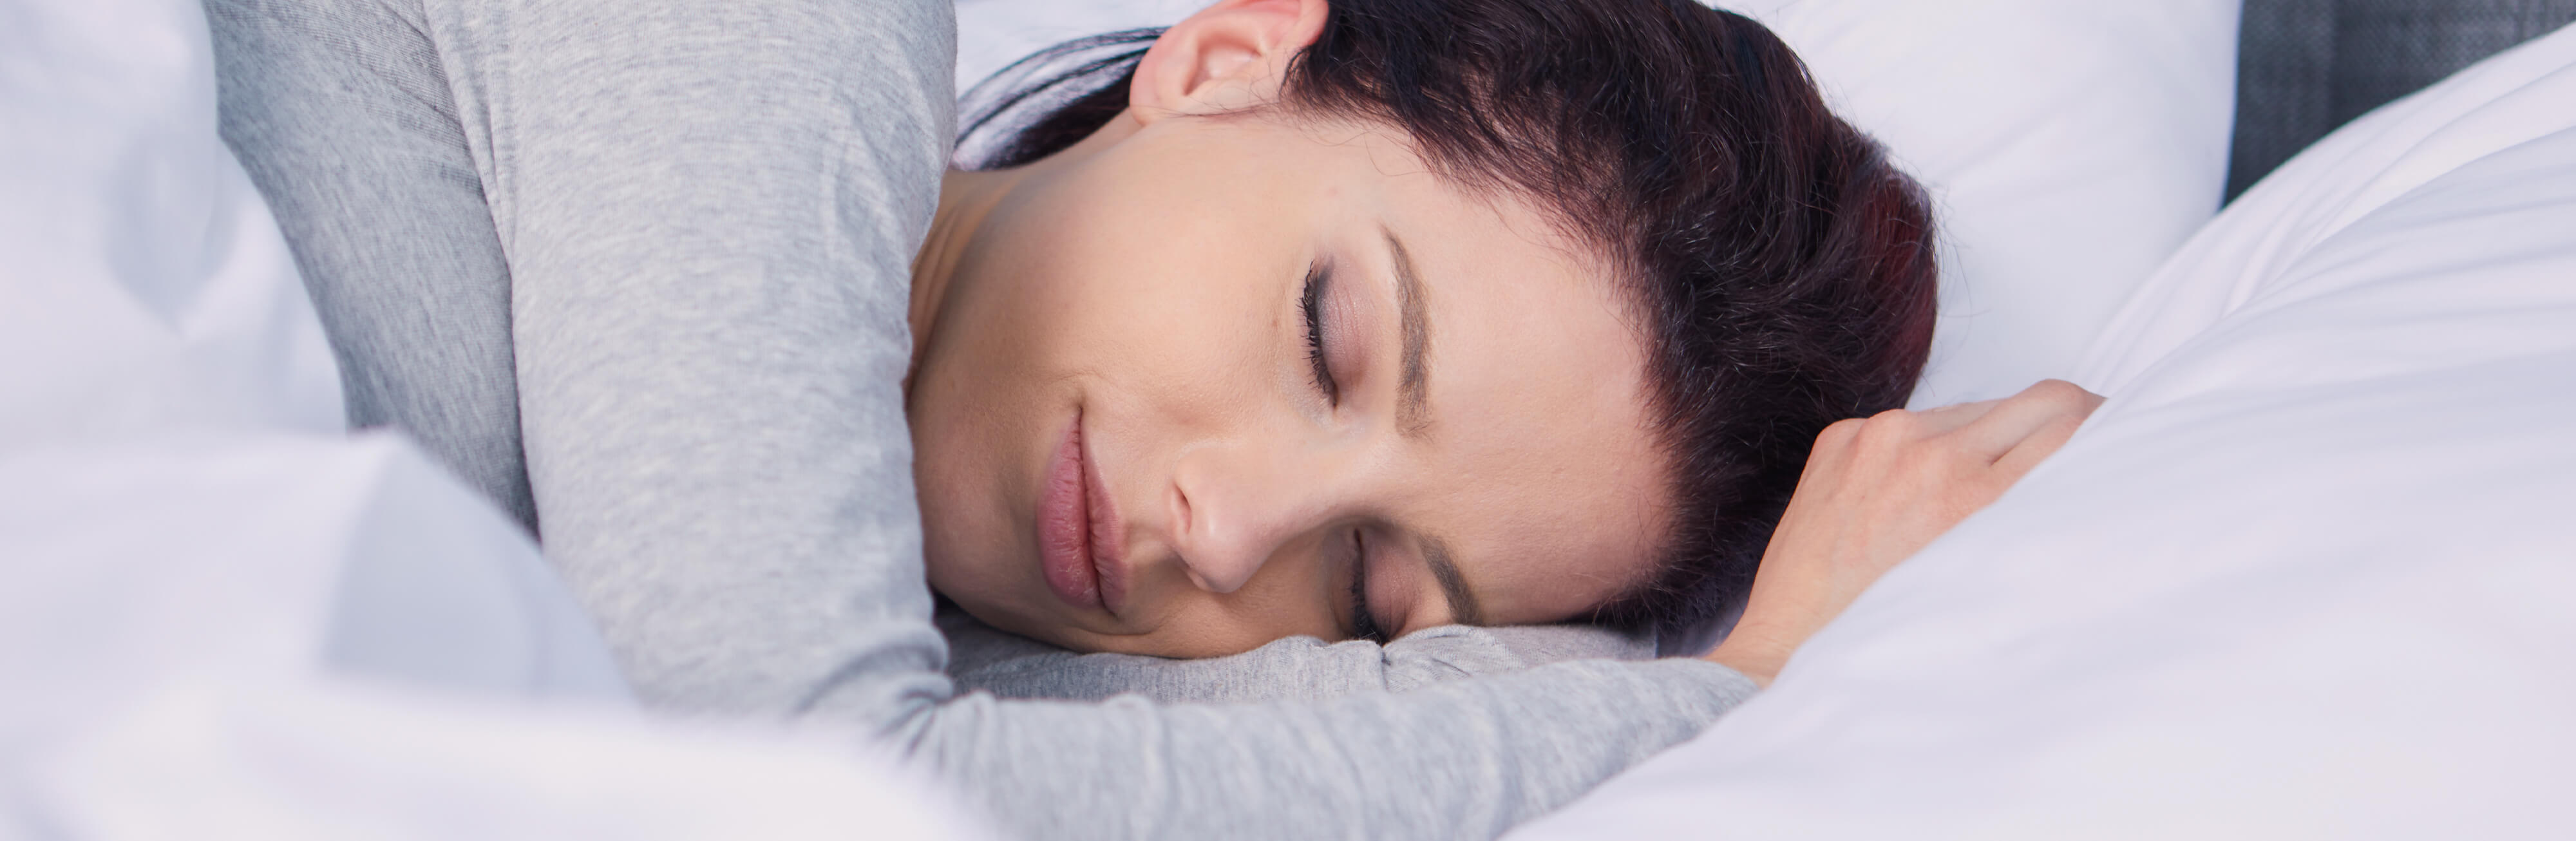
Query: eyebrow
{"x": 1463, "y": 609}
{"x": 1413, "y": 400}
{"x": 1413, "y": 417}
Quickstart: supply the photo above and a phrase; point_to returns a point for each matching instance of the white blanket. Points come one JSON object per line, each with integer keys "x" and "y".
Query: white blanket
{"x": 2311, "y": 572}
{"x": 286, "y": 636}
{"x": 220, "y": 617}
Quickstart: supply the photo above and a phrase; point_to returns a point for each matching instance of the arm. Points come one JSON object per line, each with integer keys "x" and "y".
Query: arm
{"x": 1464, "y": 759}
{"x": 1296, "y": 668}
{"x": 709, "y": 209}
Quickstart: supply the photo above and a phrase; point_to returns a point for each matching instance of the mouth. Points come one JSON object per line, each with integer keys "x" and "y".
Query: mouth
{"x": 1078, "y": 529}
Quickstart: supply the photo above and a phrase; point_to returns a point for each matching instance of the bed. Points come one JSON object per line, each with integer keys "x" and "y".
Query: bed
{"x": 2307, "y": 574}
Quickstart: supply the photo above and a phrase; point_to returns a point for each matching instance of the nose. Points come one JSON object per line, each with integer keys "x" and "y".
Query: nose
{"x": 1236, "y": 505}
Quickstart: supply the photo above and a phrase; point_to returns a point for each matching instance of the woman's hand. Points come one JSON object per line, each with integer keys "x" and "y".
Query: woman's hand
{"x": 1874, "y": 492}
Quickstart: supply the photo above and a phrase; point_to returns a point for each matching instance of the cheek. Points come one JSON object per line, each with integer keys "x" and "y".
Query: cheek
{"x": 1171, "y": 324}
{"x": 970, "y": 534}
{"x": 1085, "y": 279}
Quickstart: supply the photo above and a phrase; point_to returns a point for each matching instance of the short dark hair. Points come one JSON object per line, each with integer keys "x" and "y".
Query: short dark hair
{"x": 1783, "y": 267}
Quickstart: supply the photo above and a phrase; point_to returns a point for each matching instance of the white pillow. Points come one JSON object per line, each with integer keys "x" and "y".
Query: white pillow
{"x": 2308, "y": 574}
{"x": 2070, "y": 146}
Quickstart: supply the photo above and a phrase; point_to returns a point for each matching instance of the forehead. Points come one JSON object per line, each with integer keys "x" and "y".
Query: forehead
{"x": 1542, "y": 470}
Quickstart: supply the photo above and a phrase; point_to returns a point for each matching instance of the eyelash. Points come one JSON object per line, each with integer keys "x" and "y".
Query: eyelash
{"x": 1363, "y": 620}
{"x": 1318, "y": 276}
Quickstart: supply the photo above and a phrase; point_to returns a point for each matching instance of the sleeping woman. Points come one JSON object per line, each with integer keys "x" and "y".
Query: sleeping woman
{"x": 1327, "y": 320}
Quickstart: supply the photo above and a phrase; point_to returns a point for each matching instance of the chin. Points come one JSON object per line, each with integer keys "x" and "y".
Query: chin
{"x": 1016, "y": 620}
{"x": 990, "y": 592}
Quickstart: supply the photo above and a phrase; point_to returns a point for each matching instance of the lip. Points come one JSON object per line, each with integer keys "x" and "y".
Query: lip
{"x": 1078, "y": 529}
{"x": 1107, "y": 533}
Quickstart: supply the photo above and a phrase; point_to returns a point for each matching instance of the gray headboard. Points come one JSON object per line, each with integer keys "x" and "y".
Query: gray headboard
{"x": 2306, "y": 66}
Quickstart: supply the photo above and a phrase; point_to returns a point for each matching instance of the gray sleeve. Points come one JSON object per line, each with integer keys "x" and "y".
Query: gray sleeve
{"x": 1466, "y": 759}
{"x": 709, "y": 208}
{"x": 1293, "y": 669}
{"x": 353, "y": 141}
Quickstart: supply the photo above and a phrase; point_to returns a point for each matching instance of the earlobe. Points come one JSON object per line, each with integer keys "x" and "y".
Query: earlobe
{"x": 1228, "y": 57}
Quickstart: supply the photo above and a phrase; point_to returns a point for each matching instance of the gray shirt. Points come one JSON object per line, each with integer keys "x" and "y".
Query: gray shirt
{"x": 663, "y": 249}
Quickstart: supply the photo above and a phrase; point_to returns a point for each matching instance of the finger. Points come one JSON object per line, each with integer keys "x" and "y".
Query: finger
{"x": 2036, "y": 448}
{"x": 1947, "y": 418}
{"x": 2017, "y": 418}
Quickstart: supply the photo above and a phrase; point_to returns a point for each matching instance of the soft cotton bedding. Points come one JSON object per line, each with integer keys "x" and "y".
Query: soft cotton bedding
{"x": 145, "y": 283}
{"x": 2308, "y": 574}
{"x": 285, "y": 636}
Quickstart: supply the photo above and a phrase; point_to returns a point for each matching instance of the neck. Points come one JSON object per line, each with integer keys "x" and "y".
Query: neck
{"x": 965, "y": 199}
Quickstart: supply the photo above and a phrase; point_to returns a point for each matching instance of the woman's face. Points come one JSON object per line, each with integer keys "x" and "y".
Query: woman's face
{"x": 1200, "y": 383}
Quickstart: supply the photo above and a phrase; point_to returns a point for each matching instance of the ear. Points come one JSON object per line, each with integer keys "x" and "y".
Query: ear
{"x": 1228, "y": 57}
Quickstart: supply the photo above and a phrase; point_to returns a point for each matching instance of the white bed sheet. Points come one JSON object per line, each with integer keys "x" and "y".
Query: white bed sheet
{"x": 2310, "y": 573}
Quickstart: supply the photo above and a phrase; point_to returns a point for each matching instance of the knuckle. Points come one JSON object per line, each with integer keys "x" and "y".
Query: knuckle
{"x": 2057, "y": 393}
{"x": 1892, "y": 425}
{"x": 1838, "y": 435}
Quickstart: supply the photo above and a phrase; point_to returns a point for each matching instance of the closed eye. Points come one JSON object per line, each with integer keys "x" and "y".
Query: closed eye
{"x": 1319, "y": 278}
{"x": 1363, "y": 620}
